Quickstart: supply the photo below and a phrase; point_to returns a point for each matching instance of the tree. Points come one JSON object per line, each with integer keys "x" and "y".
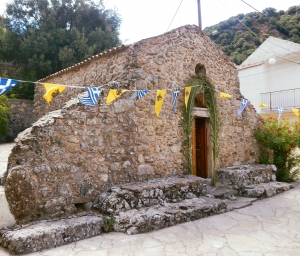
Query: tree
{"x": 238, "y": 42}
{"x": 45, "y": 36}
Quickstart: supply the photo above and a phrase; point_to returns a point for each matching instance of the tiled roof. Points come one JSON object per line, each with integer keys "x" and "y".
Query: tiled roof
{"x": 100, "y": 55}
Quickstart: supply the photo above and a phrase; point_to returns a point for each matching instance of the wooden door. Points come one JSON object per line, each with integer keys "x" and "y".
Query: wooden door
{"x": 200, "y": 148}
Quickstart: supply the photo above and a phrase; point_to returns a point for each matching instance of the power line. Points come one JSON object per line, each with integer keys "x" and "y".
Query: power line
{"x": 280, "y": 57}
{"x": 275, "y": 69}
{"x": 174, "y": 15}
{"x": 267, "y": 17}
{"x": 277, "y": 24}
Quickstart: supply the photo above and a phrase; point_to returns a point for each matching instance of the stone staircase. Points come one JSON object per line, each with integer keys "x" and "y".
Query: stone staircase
{"x": 145, "y": 206}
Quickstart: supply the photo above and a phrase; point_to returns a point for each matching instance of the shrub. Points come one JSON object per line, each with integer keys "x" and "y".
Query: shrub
{"x": 283, "y": 140}
{"x": 4, "y": 112}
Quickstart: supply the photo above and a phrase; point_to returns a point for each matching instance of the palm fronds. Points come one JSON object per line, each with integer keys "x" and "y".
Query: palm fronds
{"x": 198, "y": 83}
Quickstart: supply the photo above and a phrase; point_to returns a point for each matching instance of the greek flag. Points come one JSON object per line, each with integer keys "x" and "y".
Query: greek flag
{"x": 91, "y": 99}
{"x": 139, "y": 94}
{"x": 6, "y": 84}
{"x": 244, "y": 104}
{"x": 175, "y": 93}
{"x": 279, "y": 109}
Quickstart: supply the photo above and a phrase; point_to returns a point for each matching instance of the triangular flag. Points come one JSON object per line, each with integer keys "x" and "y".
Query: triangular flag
{"x": 52, "y": 90}
{"x": 91, "y": 99}
{"x": 279, "y": 109}
{"x": 113, "y": 95}
{"x": 160, "y": 95}
{"x": 187, "y": 92}
{"x": 175, "y": 93}
{"x": 296, "y": 111}
{"x": 6, "y": 84}
{"x": 244, "y": 104}
{"x": 262, "y": 105}
{"x": 139, "y": 94}
{"x": 225, "y": 95}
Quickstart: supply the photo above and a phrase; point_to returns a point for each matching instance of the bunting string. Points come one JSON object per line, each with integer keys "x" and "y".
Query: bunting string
{"x": 51, "y": 90}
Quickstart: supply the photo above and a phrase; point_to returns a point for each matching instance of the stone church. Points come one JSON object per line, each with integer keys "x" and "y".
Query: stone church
{"x": 72, "y": 152}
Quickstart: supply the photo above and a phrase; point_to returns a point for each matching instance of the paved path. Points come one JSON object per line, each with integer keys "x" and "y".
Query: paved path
{"x": 6, "y": 218}
{"x": 270, "y": 227}
{"x": 5, "y": 150}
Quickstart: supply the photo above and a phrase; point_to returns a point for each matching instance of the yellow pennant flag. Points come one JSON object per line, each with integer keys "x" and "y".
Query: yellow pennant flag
{"x": 187, "y": 92}
{"x": 296, "y": 111}
{"x": 52, "y": 90}
{"x": 225, "y": 95}
{"x": 113, "y": 95}
{"x": 262, "y": 105}
{"x": 160, "y": 95}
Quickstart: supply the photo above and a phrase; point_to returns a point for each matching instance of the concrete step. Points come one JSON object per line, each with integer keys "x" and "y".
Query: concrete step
{"x": 263, "y": 190}
{"x": 156, "y": 217}
{"x": 46, "y": 234}
{"x": 154, "y": 192}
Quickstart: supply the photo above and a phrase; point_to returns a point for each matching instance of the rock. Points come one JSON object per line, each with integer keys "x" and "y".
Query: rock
{"x": 145, "y": 169}
{"x": 45, "y": 235}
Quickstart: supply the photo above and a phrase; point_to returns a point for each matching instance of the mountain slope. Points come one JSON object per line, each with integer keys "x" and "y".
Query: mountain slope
{"x": 238, "y": 42}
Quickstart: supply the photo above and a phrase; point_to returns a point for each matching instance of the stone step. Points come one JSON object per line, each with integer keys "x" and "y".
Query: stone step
{"x": 46, "y": 234}
{"x": 154, "y": 192}
{"x": 238, "y": 177}
{"x": 156, "y": 217}
{"x": 220, "y": 192}
{"x": 263, "y": 190}
{"x": 239, "y": 202}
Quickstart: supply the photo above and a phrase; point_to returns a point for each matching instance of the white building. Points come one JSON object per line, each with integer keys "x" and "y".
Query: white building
{"x": 276, "y": 85}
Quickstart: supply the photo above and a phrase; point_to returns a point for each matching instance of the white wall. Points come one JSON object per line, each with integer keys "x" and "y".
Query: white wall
{"x": 264, "y": 78}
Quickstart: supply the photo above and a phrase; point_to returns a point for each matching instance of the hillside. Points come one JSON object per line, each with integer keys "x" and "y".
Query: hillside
{"x": 238, "y": 42}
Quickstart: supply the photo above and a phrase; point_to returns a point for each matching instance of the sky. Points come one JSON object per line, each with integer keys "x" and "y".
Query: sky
{"x": 146, "y": 18}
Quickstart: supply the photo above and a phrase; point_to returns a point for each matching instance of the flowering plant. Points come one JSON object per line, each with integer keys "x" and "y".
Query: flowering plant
{"x": 283, "y": 139}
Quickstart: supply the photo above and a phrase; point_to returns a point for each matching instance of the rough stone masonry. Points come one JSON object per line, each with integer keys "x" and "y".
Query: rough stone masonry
{"x": 73, "y": 152}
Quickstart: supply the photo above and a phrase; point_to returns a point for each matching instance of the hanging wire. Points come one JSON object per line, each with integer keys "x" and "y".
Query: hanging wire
{"x": 289, "y": 67}
{"x": 268, "y": 17}
{"x": 174, "y": 15}
{"x": 280, "y": 57}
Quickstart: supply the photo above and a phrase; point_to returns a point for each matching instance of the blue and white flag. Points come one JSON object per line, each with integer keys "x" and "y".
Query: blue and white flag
{"x": 279, "y": 109}
{"x": 6, "y": 84}
{"x": 91, "y": 99}
{"x": 175, "y": 93}
{"x": 244, "y": 104}
{"x": 139, "y": 94}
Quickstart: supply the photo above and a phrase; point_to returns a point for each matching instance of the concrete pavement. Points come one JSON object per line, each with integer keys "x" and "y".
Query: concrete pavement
{"x": 269, "y": 227}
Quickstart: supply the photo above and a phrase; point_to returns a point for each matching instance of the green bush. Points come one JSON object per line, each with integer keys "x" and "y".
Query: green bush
{"x": 283, "y": 140}
{"x": 4, "y": 112}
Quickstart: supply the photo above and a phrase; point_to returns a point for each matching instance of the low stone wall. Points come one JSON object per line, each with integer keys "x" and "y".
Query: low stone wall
{"x": 20, "y": 118}
{"x": 238, "y": 177}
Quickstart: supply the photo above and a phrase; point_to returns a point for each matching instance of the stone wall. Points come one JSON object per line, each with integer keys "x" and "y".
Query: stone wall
{"x": 71, "y": 154}
{"x": 20, "y": 118}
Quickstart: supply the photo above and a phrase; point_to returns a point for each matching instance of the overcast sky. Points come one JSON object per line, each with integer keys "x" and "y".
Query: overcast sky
{"x": 145, "y": 18}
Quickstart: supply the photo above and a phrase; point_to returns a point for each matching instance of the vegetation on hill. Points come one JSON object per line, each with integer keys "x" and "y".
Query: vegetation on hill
{"x": 238, "y": 42}
{"x": 42, "y": 37}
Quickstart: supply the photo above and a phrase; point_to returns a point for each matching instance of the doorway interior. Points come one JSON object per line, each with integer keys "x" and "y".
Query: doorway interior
{"x": 200, "y": 166}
